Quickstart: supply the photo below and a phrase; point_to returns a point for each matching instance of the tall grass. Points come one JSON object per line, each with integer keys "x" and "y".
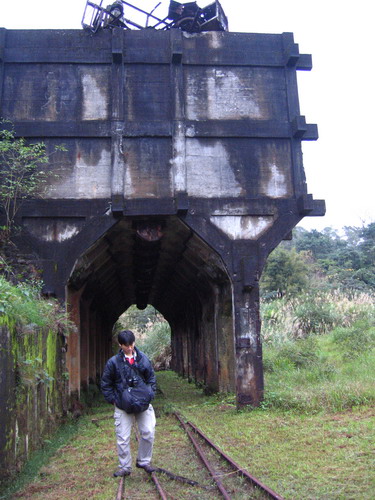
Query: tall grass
{"x": 319, "y": 352}
{"x": 152, "y": 331}
{"x": 286, "y": 319}
{"x": 157, "y": 340}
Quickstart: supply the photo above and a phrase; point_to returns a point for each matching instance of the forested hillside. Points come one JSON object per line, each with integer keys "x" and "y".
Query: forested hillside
{"x": 317, "y": 261}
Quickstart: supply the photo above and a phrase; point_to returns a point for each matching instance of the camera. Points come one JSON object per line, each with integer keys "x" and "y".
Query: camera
{"x": 132, "y": 381}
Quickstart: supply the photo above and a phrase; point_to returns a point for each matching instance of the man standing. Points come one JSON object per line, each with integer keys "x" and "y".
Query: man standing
{"x": 126, "y": 369}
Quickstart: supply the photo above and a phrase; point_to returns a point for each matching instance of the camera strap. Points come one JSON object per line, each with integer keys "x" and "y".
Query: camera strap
{"x": 120, "y": 369}
{"x": 127, "y": 368}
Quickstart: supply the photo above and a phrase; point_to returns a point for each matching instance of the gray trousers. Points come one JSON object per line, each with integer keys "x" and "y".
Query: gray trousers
{"x": 123, "y": 425}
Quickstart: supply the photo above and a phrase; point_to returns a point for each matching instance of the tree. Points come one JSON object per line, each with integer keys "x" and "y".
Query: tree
{"x": 322, "y": 245}
{"x": 347, "y": 262}
{"x": 22, "y": 173}
{"x": 367, "y": 245}
{"x": 286, "y": 271}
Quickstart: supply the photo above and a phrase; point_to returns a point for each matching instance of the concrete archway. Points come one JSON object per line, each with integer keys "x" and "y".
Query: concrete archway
{"x": 162, "y": 262}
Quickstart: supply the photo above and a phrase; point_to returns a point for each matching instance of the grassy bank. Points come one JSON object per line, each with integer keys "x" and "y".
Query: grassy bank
{"x": 312, "y": 437}
{"x": 39, "y": 459}
{"x": 298, "y": 454}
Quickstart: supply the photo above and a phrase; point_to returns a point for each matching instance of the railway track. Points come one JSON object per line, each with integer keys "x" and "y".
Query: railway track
{"x": 225, "y": 478}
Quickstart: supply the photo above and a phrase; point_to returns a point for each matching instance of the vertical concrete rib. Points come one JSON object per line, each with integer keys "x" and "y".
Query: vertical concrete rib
{"x": 178, "y": 170}
{"x": 117, "y": 159}
{"x": 249, "y": 372}
{"x": 298, "y": 124}
{"x": 92, "y": 344}
{"x": 73, "y": 356}
{"x": 84, "y": 344}
{"x": 2, "y": 58}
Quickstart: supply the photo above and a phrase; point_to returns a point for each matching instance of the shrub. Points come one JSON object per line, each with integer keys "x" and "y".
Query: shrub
{"x": 300, "y": 353}
{"x": 156, "y": 340}
{"x": 22, "y": 173}
{"x": 315, "y": 316}
{"x": 22, "y": 304}
{"x": 357, "y": 339}
{"x": 290, "y": 318}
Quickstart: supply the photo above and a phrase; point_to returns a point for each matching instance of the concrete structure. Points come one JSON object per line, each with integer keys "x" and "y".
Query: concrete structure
{"x": 183, "y": 171}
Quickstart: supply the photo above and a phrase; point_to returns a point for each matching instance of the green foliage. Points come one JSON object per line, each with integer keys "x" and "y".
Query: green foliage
{"x": 320, "y": 244}
{"x": 27, "y": 315}
{"x": 318, "y": 351}
{"x": 315, "y": 315}
{"x": 32, "y": 372}
{"x": 357, "y": 339}
{"x": 307, "y": 380}
{"x": 153, "y": 334}
{"x": 137, "y": 320}
{"x": 286, "y": 271}
{"x": 23, "y": 173}
{"x": 156, "y": 340}
{"x": 345, "y": 261}
{"x": 300, "y": 353}
{"x": 22, "y": 304}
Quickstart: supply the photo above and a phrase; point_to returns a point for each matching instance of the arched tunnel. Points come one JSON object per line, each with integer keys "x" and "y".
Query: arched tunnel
{"x": 162, "y": 262}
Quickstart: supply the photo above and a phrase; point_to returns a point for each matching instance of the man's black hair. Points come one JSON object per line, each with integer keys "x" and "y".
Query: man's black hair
{"x": 126, "y": 337}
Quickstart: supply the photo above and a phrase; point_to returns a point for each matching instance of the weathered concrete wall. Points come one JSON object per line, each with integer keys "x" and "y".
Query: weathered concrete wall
{"x": 33, "y": 392}
{"x": 229, "y": 109}
{"x": 196, "y": 137}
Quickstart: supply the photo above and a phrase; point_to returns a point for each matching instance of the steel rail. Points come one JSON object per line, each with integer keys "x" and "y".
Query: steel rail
{"x": 237, "y": 467}
{"x": 161, "y": 492}
{"x": 120, "y": 489}
{"x": 204, "y": 459}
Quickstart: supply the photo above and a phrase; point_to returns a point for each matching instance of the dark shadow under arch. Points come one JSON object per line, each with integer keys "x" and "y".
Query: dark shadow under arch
{"x": 162, "y": 262}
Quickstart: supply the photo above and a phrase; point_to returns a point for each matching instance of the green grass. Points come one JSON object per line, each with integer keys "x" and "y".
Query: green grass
{"x": 298, "y": 454}
{"x": 315, "y": 374}
{"x": 40, "y": 459}
{"x": 312, "y": 437}
{"x": 321, "y": 455}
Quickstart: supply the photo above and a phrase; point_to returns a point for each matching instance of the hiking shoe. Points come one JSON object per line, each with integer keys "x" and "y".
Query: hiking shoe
{"x": 147, "y": 467}
{"x": 121, "y": 473}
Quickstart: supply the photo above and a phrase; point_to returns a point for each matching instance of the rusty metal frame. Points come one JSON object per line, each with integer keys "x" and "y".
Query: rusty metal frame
{"x": 101, "y": 14}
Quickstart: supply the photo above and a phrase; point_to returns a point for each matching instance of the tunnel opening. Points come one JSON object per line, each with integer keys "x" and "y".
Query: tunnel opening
{"x": 164, "y": 263}
{"x": 152, "y": 332}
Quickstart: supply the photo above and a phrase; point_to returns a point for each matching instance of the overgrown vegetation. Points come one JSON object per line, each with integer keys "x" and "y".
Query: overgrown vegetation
{"x": 152, "y": 331}
{"x": 22, "y": 304}
{"x": 22, "y": 173}
{"x": 298, "y": 456}
{"x": 33, "y": 331}
{"x": 324, "y": 260}
{"x": 318, "y": 322}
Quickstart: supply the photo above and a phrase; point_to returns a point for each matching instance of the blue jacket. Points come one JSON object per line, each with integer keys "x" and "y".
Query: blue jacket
{"x": 111, "y": 383}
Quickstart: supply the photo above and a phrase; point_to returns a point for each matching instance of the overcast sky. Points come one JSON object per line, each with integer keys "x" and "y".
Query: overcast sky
{"x": 337, "y": 95}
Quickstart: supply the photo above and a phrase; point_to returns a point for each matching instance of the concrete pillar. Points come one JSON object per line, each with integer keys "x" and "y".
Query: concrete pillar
{"x": 248, "y": 349}
{"x": 92, "y": 346}
{"x": 85, "y": 344}
{"x": 98, "y": 343}
{"x": 73, "y": 355}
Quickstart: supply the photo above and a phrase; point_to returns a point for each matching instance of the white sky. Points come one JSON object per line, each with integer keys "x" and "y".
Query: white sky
{"x": 338, "y": 94}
